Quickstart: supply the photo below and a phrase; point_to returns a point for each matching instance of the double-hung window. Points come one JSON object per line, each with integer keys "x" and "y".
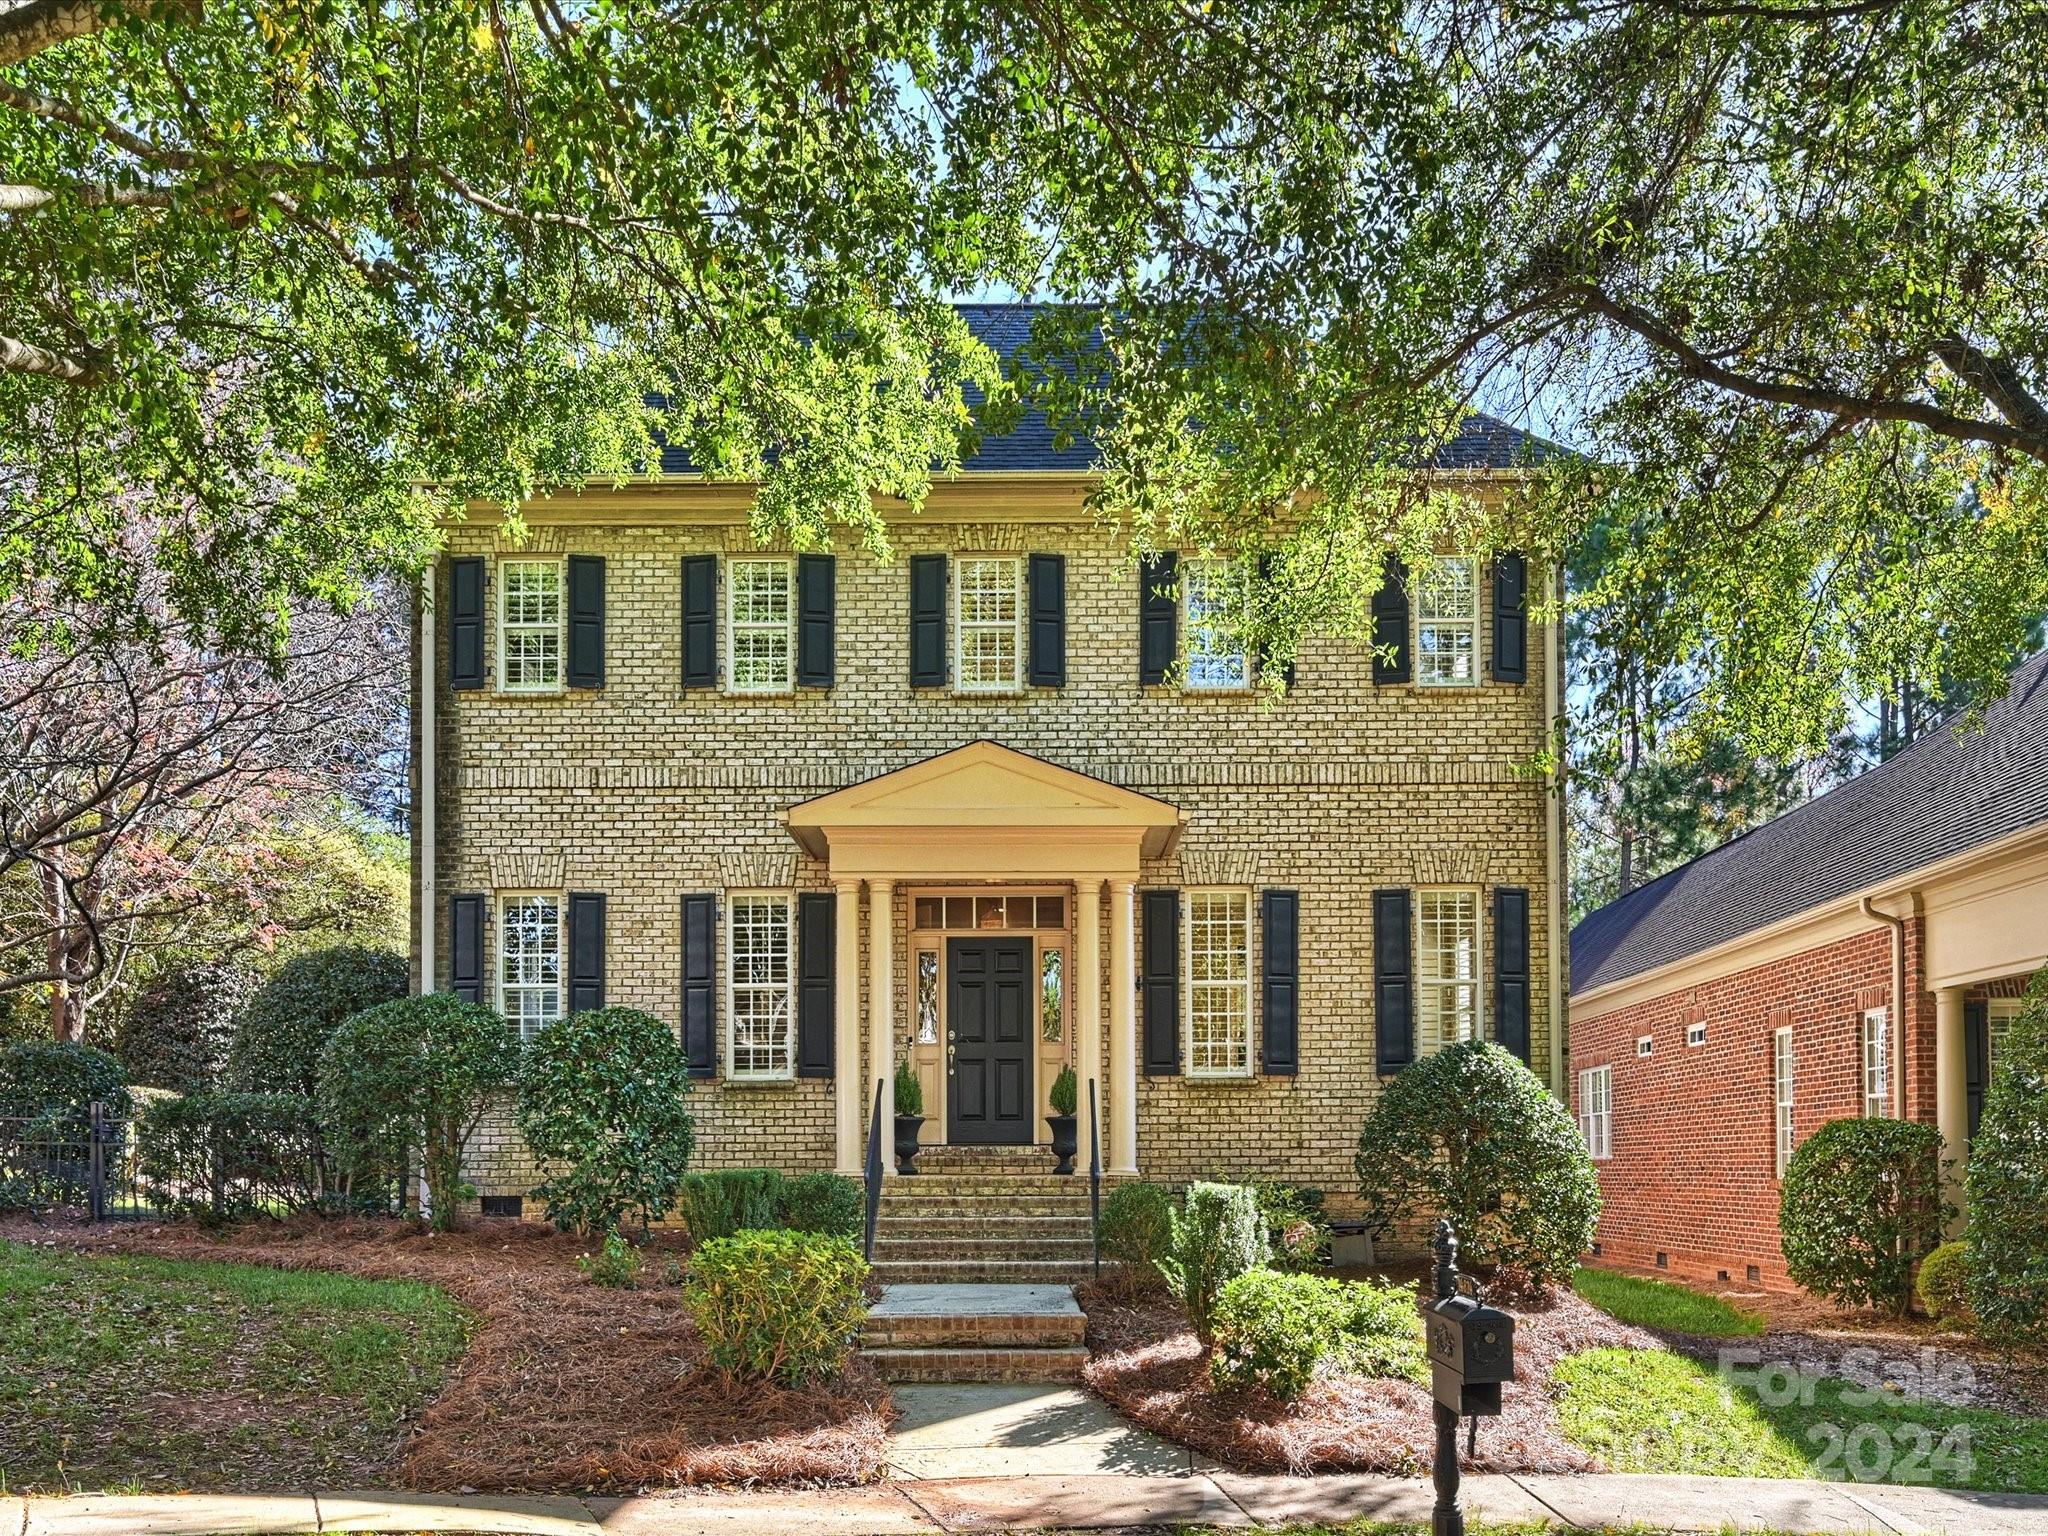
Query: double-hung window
{"x": 759, "y": 624}
{"x": 529, "y": 625}
{"x": 1214, "y": 594}
{"x": 1596, "y": 1110}
{"x": 1219, "y": 972}
{"x": 760, "y": 995}
{"x": 1781, "y": 1095}
{"x": 1999, "y": 1013}
{"x": 1447, "y": 622}
{"x": 530, "y": 961}
{"x": 988, "y": 624}
{"x": 1877, "y": 1063}
{"x": 1447, "y": 967}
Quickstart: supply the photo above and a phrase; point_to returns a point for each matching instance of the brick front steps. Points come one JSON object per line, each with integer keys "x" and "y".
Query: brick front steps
{"x": 1008, "y": 1333}
{"x": 983, "y": 1215}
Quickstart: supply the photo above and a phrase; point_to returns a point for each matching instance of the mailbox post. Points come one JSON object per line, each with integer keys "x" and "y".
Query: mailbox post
{"x": 1471, "y": 1350}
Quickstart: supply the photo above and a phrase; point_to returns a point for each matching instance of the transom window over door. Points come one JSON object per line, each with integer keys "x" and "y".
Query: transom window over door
{"x": 530, "y": 962}
{"x": 529, "y": 625}
{"x": 1215, "y": 599}
{"x": 1219, "y": 970}
{"x": 1446, "y": 967}
{"x": 758, "y": 625}
{"x": 1447, "y": 622}
{"x": 988, "y": 624}
{"x": 760, "y": 985}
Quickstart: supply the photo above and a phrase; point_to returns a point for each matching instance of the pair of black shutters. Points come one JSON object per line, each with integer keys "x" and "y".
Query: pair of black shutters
{"x": 1045, "y": 608}
{"x": 1279, "y": 982}
{"x": 1159, "y": 619}
{"x": 1393, "y": 980}
{"x": 583, "y": 923}
{"x": 469, "y": 622}
{"x": 1392, "y": 652}
{"x": 817, "y": 585}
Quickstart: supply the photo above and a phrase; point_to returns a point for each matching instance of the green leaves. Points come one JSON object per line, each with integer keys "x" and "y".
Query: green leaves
{"x": 1860, "y": 1205}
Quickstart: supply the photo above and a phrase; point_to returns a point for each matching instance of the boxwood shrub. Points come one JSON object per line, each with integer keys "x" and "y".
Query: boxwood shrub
{"x": 777, "y": 1306}
{"x": 1943, "y": 1283}
{"x": 1273, "y": 1329}
{"x": 1860, "y": 1206}
{"x": 826, "y": 1203}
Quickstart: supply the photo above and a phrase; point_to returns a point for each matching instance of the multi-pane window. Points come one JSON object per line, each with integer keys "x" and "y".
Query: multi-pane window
{"x": 1215, "y": 600}
{"x": 1446, "y": 967}
{"x": 1447, "y": 622}
{"x": 759, "y": 992}
{"x": 1596, "y": 1110}
{"x": 529, "y": 625}
{"x": 1998, "y": 1016}
{"x": 530, "y": 962}
{"x": 758, "y": 625}
{"x": 1781, "y": 1095}
{"x": 988, "y": 624}
{"x": 1219, "y": 962}
{"x": 1877, "y": 1063}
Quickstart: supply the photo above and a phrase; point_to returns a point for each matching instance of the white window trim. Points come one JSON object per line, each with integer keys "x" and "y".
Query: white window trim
{"x": 1191, "y": 574}
{"x": 1999, "y": 1013}
{"x": 733, "y": 626}
{"x": 1696, "y": 1033}
{"x": 1874, "y": 1065}
{"x": 1598, "y": 1147}
{"x": 560, "y": 567}
{"x": 1187, "y": 971}
{"x": 1016, "y": 682}
{"x": 1784, "y": 1097}
{"x": 1415, "y": 603}
{"x": 733, "y": 898}
{"x": 1478, "y": 962}
{"x": 500, "y": 901}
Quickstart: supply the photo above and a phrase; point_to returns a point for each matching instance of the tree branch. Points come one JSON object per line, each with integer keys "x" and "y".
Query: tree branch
{"x": 27, "y": 357}
{"x": 33, "y": 25}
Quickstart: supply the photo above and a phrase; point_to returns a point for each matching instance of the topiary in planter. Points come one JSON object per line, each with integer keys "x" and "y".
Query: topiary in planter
{"x": 2008, "y": 1184}
{"x": 777, "y": 1306}
{"x": 1860, "y": 1206}
{"x": 1216, "y": 1237}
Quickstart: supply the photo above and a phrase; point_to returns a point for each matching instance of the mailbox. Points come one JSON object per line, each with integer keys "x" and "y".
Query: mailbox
{"x": 1471, "y": 1352}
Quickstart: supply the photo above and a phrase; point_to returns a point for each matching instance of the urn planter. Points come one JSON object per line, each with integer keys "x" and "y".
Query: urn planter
{"x": 1066, "y": 1141}
{"x": 907, "y": 1127}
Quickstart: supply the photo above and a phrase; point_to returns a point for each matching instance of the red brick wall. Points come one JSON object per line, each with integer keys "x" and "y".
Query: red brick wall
{"x": 1693, "y": 1172}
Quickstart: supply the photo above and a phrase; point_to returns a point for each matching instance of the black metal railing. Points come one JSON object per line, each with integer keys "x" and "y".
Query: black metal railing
{"x": 874, "y": 1172}
{"x": 1094, "y": 1186}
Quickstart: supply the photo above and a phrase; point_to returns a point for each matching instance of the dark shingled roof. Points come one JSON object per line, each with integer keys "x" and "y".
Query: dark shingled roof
{"x": 1483, "y": 442}
{"x": 1949, "y": 792}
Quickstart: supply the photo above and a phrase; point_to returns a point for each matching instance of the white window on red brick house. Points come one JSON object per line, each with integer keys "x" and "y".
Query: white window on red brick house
{"x": 1219, "y": 973}
{"x": 759, "y": 623}
{"x": 530, "y": 961}
{"x": 529, "y": 625}
{"x": 1998, "y": 1016}
{"x": 760, "y": 986}
{"x": 1447, "y": 623}
{"x": 1214, "y": 595}
{"x": 1446, "y": 967}
{"x": 988, "y": 624}
{"x": 1877, "y": 1063}
{"x": 1696, "y": 1032}
{"x": 1596, "y": 1110}
{"x": 1782, "y": 1067}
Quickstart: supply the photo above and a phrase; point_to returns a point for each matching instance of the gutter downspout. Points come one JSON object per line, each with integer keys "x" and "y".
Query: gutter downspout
{"x": 1898, "y": 1010}
{"x": 1553, "y": 834}
{"x": 424, "y": 822}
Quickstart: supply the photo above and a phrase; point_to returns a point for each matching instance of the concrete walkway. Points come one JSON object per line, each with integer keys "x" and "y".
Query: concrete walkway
{"x": 1204, "y": 1494}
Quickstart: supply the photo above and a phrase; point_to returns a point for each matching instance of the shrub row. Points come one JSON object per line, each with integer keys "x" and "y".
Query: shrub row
{"x": 719, "y": 1204}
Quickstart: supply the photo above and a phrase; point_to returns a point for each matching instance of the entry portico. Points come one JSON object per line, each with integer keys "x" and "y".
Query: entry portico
{"x": 979, "y": 839}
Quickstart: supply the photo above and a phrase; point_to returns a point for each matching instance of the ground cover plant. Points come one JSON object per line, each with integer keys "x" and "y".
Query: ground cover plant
{"x": 1659, "y": 1304}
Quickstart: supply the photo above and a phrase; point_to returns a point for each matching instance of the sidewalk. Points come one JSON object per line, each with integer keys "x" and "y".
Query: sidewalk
{"x": 1204, "y": 1495}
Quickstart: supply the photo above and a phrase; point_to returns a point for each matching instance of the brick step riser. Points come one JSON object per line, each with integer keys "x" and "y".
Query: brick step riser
{"x": 979, "y": 1365}
{"x": 1014, "y": 1212}
{"x": 910, "y": 1229}
{"x": 975, "y": 1333}
{"x": 957, "y": 1272}
{"x": 920, "y": 1251}
{"x": 949, "y": 1185}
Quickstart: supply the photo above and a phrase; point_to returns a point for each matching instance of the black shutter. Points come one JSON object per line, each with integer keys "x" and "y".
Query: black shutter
{"x": 586, "y": 621}
{"x": 1393, "y": 985}
{"x": 586, "y": 951}
{"x": 927, "y": 621}
{"x": 700, "y": 984}
{"x": 1510, "y": 618}
{"x": 1158, "y": 617}
{"x": 815, "y": 601}
{"x": 1280, "y": 941}
{"x": 466, "y": 947}
{"x": 1976, "y": 1057}
{"x": 816, "y": 939}
{"x": 1390, "y": 625}
{"x": 1511, "y": 969}
{"x": 1048, "y": 621}
{"x": 700, "y": 621}
{"x": 1266, "y": 576}
{"x": 1160, "y": 979}
{"x": 466, "y": 622}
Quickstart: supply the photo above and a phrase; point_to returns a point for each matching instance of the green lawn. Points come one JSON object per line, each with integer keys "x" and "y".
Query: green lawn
{"x": 1649, "y": 1410}
{"x": 1660, "y": 1304}
{"x": 141, "y": 1373}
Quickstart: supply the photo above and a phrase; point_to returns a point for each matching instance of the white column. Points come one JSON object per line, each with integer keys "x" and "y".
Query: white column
{"x": 1123, "y": 1030}
{"x": 1088, "y": 997}
{"x": 849, "y": 1098}
{"x": 1951, "y": 1094}
{"x": 881, "y": 997}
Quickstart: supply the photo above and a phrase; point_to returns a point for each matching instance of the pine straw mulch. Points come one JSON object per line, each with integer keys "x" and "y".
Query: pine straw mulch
{"x": 566, "y": 1385}
{"x": 1146, "y": 1363}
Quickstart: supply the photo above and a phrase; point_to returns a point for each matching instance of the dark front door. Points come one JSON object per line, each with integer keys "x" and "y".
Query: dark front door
{"x": 990, "y": 1041}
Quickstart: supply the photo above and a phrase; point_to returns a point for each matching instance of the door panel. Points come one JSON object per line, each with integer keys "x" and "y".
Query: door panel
{"x": 989, "y": 1034}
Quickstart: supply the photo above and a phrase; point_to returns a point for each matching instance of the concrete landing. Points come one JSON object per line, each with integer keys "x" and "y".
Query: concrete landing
{"x": 978, "y": 1430}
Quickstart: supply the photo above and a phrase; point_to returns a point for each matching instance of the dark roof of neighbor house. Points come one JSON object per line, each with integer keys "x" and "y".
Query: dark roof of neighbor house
{"x": 1482, "y": 441}
{"x": 1952, "y": 790}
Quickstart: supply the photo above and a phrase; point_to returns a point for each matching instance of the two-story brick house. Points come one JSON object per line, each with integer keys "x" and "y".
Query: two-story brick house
{"x": 1003, "y": 803}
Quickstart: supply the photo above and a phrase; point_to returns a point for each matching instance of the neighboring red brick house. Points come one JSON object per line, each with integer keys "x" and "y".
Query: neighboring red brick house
{"x": 1859, "y": 955}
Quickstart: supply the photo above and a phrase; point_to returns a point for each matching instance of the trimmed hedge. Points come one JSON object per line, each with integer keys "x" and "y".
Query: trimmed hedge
{"x": 54, "y": 1083}
{"x": 1943, "y": 1283}
{"x": 777, "y": 1306}
{"x": 829, "y": 1204}
{"x": 1860, "y": 1206}
{"x": 286, "y": 1025}
{"x": 228, "y": 1156}
{"x": 177, "y": 1032}
{"x": 1137, "y": 1230}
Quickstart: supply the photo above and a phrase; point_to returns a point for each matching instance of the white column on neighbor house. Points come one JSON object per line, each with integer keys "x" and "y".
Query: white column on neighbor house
{"x": 848, "y": 1101}
{"x": 1951, "y": 1092}
{"x": 1088, "y": 996}
{"x": 1123, "y": 1029}
{"x": 881, "y": 997}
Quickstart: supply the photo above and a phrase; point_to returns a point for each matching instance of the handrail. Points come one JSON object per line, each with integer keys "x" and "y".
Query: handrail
{"x": 874, "y": 1173}
{"x": 1094, "y": 1185}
